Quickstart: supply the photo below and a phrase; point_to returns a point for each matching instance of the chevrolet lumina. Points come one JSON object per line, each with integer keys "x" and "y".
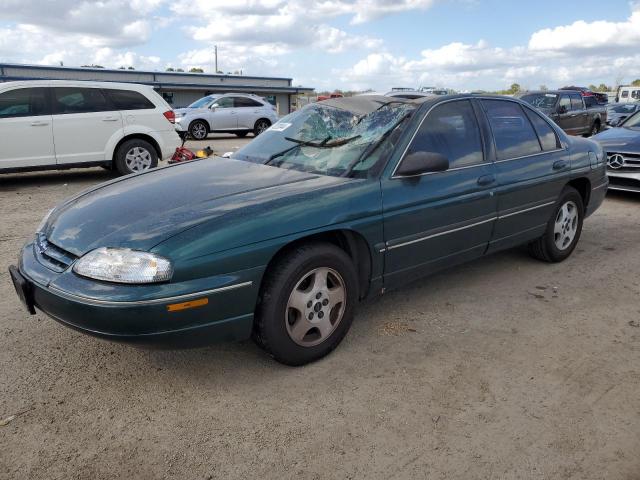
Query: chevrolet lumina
{"x": 334, "y": 203}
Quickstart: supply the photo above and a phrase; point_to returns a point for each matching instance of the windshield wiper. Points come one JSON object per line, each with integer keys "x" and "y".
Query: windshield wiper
{"x": 325, "y": 143}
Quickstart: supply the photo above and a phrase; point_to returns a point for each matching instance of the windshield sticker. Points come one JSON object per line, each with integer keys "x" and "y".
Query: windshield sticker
{"x": 280, "y": 126}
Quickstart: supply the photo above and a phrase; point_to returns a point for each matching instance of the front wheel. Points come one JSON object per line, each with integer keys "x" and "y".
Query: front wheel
{"x": 198, "y": 130}
{"x": 563, "y": 229}
{"x": 135, "y": 156}
{"x": 307, "y": 303}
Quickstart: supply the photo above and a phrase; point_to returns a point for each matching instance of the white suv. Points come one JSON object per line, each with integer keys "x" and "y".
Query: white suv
{"x": 48, "y": 125}
{"x": 237, "y": 113}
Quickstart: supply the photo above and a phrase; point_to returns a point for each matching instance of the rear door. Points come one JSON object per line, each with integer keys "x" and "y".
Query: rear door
{"x": 579, "y": 114}
{"x": 84, "y": 123}
{"x": 438, "y": 219}
{"x": 136, "y": 109}
{"x": 248, "y": 111}
{"x": 26, "y": 133}
{"x": 223, "y": 114}
{"x": 531, "y": 168}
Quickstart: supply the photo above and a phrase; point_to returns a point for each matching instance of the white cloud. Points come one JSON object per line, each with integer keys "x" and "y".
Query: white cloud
{"x": 599, "y": 35}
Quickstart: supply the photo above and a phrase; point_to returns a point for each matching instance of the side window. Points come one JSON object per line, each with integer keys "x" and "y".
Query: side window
{"x": 23, "y": 102}
{"x": 512, "y": 130}
{"x": 225, "y": 102}
{"x": 565, "y": 104}
{"x": 451, "y": 129}
{"x": 245, "y": 102}
{"x": 79, "y": 100}
{"x": 590, "y": 101}
{"x": 548, "y": 138}
{"x": 635, "y": 94}
{"x": 129, "y": 100}
{"x": 625, "y": 94}
{"x": 576, "y": 102}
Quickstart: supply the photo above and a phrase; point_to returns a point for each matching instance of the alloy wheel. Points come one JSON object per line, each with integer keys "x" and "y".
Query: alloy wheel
{"x": 261, "y": 127}
{"x": 315, "y": 306}
{"x": 138, "y": 159}
{"x": 566, "y": 225}
{"x": 199, "y": 131}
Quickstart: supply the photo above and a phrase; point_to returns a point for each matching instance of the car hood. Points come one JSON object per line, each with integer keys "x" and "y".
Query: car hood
{"x": 141, "y": 211}
{"x": 619, "y": 137}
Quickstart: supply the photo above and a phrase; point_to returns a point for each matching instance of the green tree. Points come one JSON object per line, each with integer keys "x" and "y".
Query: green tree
{"x": 130, "y": 68}
{"x": 593, "y": 88}
{"x": 179, "y": 70}
{"x": 514, "y": 88}
{"x": 636, "y": 82}
{"x": 196, "y": 70}
{"x": 603, "y": 88}
{"x": 170, "y": 69}
{"x": 544, "y": 88}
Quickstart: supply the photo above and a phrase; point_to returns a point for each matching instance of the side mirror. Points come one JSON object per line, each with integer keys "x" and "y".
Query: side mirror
{"x": 418, "y": 163}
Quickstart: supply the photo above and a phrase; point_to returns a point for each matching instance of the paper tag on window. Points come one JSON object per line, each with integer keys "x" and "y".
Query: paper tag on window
{"x": 280, "y": 126}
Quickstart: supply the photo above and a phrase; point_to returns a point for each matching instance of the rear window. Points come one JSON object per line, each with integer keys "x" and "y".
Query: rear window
{"x": 245, "y": 102}
{"x": 129, "y": 100}
{"x": 67, "y": 100}
{"x": 548, "y": 138}
{"x": 511, "y": 129}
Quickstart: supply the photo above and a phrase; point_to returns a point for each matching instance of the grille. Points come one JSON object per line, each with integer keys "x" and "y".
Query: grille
{"x": 623, "y": 162}
{"x": 51, "y": 255}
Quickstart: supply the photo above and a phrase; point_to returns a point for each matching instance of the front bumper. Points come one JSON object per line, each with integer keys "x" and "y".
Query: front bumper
{"x": 227, "y": 313}
{"x": 624, "y": 181}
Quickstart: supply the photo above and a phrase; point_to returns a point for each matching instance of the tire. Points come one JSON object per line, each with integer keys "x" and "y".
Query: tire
{"x": 297, "y": 336}
{"x": 595, "y": 128}
{"x": 241, "y": 134}
{"x": 135, "y": 156}
{"x": 198, "y": 130}
{"x": 260, "y": 126}
{"x": 563, "y": 229}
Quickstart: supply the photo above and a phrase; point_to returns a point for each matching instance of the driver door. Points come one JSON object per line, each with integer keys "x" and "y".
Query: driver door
{"x": 434, "y": 220}
{"x": 223, "y": 114}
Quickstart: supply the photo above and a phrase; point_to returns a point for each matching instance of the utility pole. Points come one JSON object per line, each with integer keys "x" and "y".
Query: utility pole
{"x": 215, "y": 51}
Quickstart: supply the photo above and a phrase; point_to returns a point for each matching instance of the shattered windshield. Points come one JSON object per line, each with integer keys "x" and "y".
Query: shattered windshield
{"x": 541, "y": 100}
{"x": 328, "y": 140}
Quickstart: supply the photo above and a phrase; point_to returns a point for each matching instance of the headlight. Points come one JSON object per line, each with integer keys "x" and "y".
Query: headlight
{"x": 123, "y": 265}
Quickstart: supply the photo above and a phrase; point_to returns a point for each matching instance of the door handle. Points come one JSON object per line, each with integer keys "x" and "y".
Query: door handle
{"x": 109, "y": 119}
{"x": 485, "y": 180}
{"x": 559, "y": 165}
{"x": 39, "y": 124}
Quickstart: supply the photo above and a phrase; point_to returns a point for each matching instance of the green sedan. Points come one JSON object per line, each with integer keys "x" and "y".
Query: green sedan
{"x": 335, "y": 203}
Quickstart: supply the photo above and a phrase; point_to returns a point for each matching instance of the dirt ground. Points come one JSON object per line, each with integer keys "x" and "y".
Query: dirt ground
{"x": 506, "y": 368}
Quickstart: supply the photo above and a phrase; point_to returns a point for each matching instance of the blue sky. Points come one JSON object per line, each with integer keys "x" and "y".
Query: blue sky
{"x": 348, "y": 44}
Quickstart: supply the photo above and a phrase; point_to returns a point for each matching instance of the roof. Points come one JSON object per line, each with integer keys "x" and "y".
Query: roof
{"x": 132, "y": 72}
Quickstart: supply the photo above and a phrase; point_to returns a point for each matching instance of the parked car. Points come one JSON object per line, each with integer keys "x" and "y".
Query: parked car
{"x": 408, "y": 94}
{"x": 238, "y": 113}
{"x": 622, "y": 146}
{"x": 628, "y": 94}
{"x": 327, "y": 97}
{"x": 569, "y": 110}
{"x": 617, "y": 113}
{"x": 48, "y": 125}
{"x": 337, "y": 202}
{"x": 598, "y": 97}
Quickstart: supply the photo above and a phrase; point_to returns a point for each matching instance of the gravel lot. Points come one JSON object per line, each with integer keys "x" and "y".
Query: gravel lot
{"x": 501, "y": 369}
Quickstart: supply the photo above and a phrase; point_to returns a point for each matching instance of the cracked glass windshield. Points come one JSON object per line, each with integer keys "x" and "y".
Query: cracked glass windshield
{"x": 328, "y": 139}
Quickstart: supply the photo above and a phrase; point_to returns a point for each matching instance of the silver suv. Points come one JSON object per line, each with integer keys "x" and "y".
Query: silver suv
{"x": 237, "y": 113}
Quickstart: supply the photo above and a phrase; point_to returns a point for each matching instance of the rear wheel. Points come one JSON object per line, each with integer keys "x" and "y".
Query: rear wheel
{"x": 198, "y": 130}
{"x": 135, "y": 156}
{"x": 563, "y": 229}
{"x": 306, "y": 305}
{"x": 260, "y": 126}
{"x": 595, "y": 128}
